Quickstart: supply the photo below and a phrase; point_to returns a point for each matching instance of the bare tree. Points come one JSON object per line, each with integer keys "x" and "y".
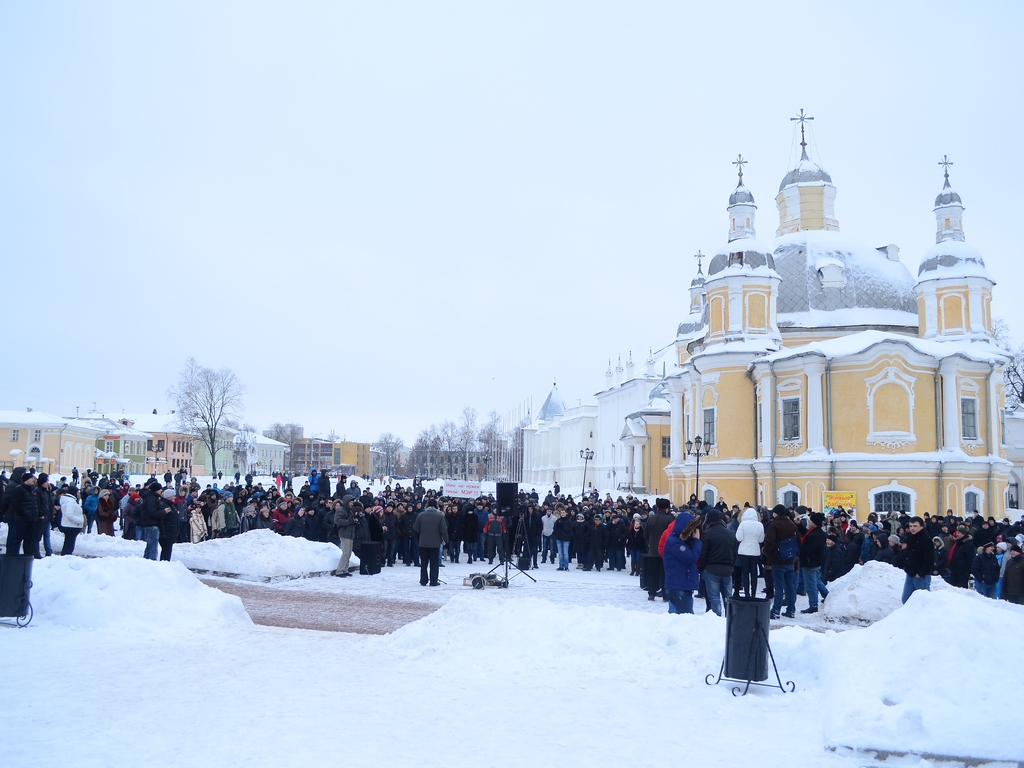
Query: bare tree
{"x": 449, "y": 435}
{"x": 467, "y": 437}
{"x": 389, "y": 446}
{"x": 1013, "y": 379}
{"x": 245, "y": 452}
{"x": 492, "y": 441}
{"x": 205, "y": 401}
{"x": 426, "y": 452}
{"x": 289, "y": 434}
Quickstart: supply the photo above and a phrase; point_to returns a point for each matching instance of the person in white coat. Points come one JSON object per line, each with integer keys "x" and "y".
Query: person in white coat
{"x": 749, "y": 534}
{"x": 72, "y": 518}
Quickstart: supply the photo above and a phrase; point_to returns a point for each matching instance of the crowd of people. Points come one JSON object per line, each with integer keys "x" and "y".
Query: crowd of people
{"x": 713, "y": 552}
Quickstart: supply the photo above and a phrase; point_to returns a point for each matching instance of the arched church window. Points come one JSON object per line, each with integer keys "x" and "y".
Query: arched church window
{"x": 970, "y": 503}
{"x": 736, "y": 259}
{"x": 892, "y": 501}
{"x": 790, "y": 499}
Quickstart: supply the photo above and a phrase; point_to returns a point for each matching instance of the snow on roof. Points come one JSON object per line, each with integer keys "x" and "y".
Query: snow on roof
{"x": 848, "y": 317}
{"x": 39, "y": 419}
{"x": 110, "y": 426}
{"x": 263, "y": 440}
{"x": 152, "y": 422}
{"x": 855, "y": 343}
{"x": 553, "y": 406}
{"x": 952, "y": 258}
{"x": 872, "y": 279}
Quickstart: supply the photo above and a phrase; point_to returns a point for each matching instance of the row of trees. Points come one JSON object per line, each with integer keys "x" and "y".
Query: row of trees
{"x": 467, "y": 449}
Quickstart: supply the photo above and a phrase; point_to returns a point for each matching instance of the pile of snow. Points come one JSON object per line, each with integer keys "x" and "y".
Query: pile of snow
{"x": 892, "y": 686}
{"x": 127, "y": 592}
{"x": 260, "y": 555}
{"x": 96, "y": 545}
{"x": 257, "y": 555}
{"x": 868, "y": 593}
{"x": 593, "y": 643}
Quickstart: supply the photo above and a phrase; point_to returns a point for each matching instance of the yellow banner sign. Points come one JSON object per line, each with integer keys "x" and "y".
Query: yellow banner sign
{"x": 844, "y": 499}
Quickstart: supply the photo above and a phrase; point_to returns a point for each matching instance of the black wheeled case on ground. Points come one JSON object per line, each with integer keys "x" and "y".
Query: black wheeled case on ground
{"x": 370, "y": 555}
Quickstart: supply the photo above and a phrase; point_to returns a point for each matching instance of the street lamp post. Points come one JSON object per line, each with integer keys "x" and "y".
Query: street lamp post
{"x": 487, "y": 462}
{"x": 586, "y": 454}
{"x": 697, "y": 447}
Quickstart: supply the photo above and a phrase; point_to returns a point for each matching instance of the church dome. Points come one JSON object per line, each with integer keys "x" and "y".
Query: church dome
{"x": 698, "y": 280}
{"x": 947, "y": 196}
{"x": 741, "y": 196}
{"x": 829, "y": 281}
{"x": 952, "y": 258}
{"x": 747, "y": 253}
{"x": 806, "y": 172}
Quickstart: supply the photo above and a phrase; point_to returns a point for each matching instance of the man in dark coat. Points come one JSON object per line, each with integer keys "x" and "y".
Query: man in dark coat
{"x": 779, "y": 532}
{"x": 432, "y": 530}
{"x": 654, "y": 566}
{"x": 960, "y": 557}
{"x": 985, "y": 570}
{"x": 597, "y": 544}
{"x": 20, "y": 507}
{"x": 717, "y": 559}
{"x": 1013, "y": 576}
{"x": 812, "y": 558}
{"x": 918, "y": 559}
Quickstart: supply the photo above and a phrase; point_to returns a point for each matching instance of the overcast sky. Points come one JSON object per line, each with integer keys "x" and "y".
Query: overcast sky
{"x": 379, "y": 213}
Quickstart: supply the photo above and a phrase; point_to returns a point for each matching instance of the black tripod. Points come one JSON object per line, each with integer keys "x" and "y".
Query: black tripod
{"x": 506, "y": 562}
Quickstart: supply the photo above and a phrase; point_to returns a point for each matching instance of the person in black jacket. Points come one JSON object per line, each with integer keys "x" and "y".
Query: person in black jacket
{"x": 985, "y": 570}
{"x": 835, "y": 559}
{"x": 918, "y": 559}
{"x": 563, "y": 536}
{"x": 296, "y": 526}
{"x": 717, "y": 558}
{"x": 168, "y": 524}
{"x": 470, "y": 533}
{"x": 812, "y": 557}
{"x": 581, "y": 540}
{"x": 961, "y": 557}
{"x": 151, "y": 519}
{"x": 596, "y": 544}
{"x": 20, "y": 507}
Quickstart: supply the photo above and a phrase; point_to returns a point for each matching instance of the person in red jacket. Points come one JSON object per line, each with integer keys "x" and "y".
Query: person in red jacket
{"x": 281, "y": 516}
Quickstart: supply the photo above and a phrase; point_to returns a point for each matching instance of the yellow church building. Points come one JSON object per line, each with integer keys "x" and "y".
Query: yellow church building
{"x": 811, "y": 363}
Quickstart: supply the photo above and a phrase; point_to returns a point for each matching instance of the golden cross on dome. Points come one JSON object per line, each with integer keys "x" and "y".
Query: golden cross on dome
{"x": 739, "y": 162}
{"x": 802, "y": 118}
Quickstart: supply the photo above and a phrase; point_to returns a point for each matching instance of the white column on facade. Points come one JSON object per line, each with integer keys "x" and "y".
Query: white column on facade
{"x": 735, "y": 310}
{"x": 766, "y": 413}
{"x": 993, "y": 415}
{"x": 950, "y": 406}
{"x": 815, "y": 368}
{"x": 977, "y": 321}
{"x": 676, "y": 425}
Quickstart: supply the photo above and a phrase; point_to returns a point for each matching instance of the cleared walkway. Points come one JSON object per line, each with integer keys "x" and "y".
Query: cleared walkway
{"x": 324, "y": 611}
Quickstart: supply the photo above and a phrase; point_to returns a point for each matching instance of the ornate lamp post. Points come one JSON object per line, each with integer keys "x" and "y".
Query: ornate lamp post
{"x": 696, "y": 448}
{"x": 487, "y": 462}
{"x": 586, "y": 454}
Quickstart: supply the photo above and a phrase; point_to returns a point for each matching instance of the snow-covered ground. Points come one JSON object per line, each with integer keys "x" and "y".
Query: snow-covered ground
{"x": 129, "y": 660}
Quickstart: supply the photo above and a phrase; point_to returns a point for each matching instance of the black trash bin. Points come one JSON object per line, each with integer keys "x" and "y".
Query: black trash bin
{"x": 747, "y": 622}
{"x": 15, "y": 587}
{"x": 370, "y": 555}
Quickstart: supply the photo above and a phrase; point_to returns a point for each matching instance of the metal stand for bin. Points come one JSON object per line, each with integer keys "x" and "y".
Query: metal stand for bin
{"x": 758, "y": 635}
